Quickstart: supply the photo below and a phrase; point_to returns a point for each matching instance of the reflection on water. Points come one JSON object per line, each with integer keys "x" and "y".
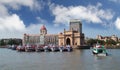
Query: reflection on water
{"x": 76, "y": 60}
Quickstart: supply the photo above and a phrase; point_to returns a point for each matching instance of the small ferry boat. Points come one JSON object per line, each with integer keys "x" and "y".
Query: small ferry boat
{"x": 20, "y": 48}
{"x": 99, "y": 50}
{"x": 67, "y": 48}
{"x": 46, "y": 48}
{"x": 14, "y": 47}
{"x": 54, "y": 48}
{"x": 39, "y": 48}
{"x": 30, "y": 48}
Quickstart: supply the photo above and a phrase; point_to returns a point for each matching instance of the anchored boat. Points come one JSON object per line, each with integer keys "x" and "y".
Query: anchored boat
{"x": 99, "y": 50}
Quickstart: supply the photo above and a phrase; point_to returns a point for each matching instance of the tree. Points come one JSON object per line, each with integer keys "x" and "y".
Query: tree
{"x": 100, "y": 41}
{"x": 90, "y": 42}
{"x": 12, "y": 41}
{"x": 94, "y": 41}
{"x": 111, "y": 42}
{"x": 2, "y": 43}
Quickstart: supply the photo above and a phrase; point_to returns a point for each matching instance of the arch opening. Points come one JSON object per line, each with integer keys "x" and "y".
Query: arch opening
{"x": 68, "y": 41}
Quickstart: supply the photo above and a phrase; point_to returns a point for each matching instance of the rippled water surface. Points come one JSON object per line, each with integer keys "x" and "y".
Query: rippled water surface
{"x": 76, "y": 60}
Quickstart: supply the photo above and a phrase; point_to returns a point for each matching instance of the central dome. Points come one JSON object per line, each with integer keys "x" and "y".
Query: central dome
{"x": 43, "y": 27}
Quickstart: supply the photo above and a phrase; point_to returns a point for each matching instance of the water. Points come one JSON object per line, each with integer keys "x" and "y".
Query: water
{"x": 76, "y": 60}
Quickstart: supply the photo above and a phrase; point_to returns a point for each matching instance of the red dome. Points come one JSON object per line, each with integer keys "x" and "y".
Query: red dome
{"x": 43, "y": 28}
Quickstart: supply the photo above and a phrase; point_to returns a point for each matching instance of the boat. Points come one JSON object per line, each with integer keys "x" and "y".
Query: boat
{"x": 39, "y": 48}
{"x": 54, "y": 48}
{"x": 99, "y": 50}
{"x": 20, "y": 48}
{"x": 14, "y": 47}
{"x": 46, "y": 48}
{"x": 30, "y": 48}
{"x": 61, "y": 48}
{"x": 67, "y": 48}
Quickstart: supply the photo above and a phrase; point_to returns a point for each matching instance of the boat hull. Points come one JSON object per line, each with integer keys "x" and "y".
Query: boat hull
{"x": 99, "y": 51}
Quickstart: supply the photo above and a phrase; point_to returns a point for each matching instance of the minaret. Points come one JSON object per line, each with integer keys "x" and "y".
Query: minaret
{"x": 43, "y": 30}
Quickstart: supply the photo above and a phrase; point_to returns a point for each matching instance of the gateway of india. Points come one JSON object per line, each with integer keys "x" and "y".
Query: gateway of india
{"x": 73, "y": 37}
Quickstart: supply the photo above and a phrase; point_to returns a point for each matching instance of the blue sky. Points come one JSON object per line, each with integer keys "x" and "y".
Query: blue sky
{"x": 98, "y": 17}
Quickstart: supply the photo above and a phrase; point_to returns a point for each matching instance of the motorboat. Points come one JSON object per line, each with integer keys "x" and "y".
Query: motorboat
{"x": 20, "y": 48}
{"x": 9, "y": 47}
{"x": 99, "y": 50}
{"x": 54, "y": 48}
{"x": 30, "y": 48}
{"x": 46, "y": 48}
{"x": 39, "y": 48}
{"x": 67, "y": 48}
{"x": 61, "y": 48}
{"x": 14, "y": 47}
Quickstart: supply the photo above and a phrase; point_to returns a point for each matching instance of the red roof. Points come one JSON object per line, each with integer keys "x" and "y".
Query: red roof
{"x": 43, "y": 28}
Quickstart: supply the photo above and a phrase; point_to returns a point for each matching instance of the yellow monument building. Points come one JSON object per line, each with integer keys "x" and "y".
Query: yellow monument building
{"x": 73, "y": 36}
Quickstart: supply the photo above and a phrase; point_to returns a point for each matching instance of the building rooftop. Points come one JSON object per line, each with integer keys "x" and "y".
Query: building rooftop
{"x": 74, "y": 20}
{"x": 43, "y": 27}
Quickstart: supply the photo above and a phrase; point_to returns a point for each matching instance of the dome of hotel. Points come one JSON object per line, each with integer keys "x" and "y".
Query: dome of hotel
{"x": 43, "y": 27}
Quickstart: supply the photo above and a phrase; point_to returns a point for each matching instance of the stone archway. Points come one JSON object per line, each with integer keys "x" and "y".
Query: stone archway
{"x": 68, "y": 41}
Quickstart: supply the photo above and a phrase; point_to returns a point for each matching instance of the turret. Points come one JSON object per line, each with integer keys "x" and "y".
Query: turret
{"x": 43, "y": 30}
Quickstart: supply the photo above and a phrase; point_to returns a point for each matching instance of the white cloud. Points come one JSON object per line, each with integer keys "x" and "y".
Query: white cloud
{"x": 11, "y": 26}
{"x": 116, "y": 1}
{"x": 91, "y": 13}
{"x": 5, "y": 5}
{"x": 11, "y": 23}
{"x": 117, "y": 23}
{"x": 33, "y": 28}
{"x": 3, "y": 11}
{"x": 41, "y": 20}
{"x": 16, "y": 4}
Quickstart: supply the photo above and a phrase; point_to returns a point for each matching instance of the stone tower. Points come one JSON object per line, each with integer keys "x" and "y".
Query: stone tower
{"x": 76, "y": 25}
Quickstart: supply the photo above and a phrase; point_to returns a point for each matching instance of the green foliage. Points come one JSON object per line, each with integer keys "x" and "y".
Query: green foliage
{"x": 2, "y": 43}
{"x": 91, "y": 42}
{"x": 94, "y": 41}
{"x": 12, "y": 41}
{"x": 111, "y": 42}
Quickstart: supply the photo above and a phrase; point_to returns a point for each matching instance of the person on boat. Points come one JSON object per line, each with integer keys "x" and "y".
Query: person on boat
{"x": 12, "y": 46}
{"x": 46, "y": 47}
{"x": 27, "y": 45}
{"x": 51, "y": 47}
{"x": 98, "y": 45}
{"x": 61, "y": 48}
{"x": 68, "y": 46}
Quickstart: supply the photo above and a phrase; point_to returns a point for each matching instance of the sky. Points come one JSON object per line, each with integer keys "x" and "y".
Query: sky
{"x": 98, "y": 17}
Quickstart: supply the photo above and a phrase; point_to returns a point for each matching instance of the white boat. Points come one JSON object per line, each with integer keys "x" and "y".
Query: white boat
{"x": 99, "y": 50}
